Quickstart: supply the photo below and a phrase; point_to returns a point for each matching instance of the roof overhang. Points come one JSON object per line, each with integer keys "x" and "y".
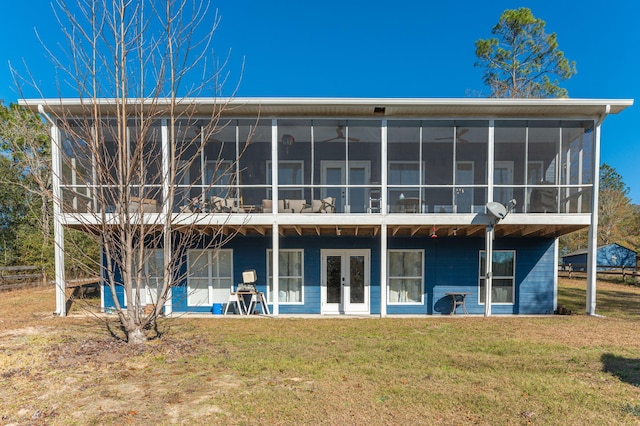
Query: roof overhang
{"x": 348, "y": 107}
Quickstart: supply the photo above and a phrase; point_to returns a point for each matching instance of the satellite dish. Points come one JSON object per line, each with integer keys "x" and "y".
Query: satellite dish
{"x": 497, "y": 210}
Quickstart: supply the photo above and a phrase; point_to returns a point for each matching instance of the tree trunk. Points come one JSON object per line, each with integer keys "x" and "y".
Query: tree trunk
{"x": 136, "y": 336}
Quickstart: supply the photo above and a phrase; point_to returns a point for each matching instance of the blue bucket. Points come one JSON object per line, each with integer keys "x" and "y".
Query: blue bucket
{"x": 217, "y": 309}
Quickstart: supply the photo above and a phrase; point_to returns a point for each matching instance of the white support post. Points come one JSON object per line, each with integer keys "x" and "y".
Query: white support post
{"x": 166, "y": 213}
{"x": 593, "y": 227}
{"x": 383, "y": 213}
{"x": 275, "y": 269}
{"x": 383, "y": 170}
{"x": 275, "y": 231}
{"x": 556, "y": 254}
{"x": 58, "y": 229}
{"x": 488, "y": 266}
{"x": 383, "y": 270}
{"x": 488, "y": 260}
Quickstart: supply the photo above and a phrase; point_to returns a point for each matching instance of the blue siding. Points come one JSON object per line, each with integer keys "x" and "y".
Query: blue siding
{"x": 451, "y": 264}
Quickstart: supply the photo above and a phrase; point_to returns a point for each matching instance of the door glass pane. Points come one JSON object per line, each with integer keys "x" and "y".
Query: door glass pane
{"x": 464, "y": 196}
{"x": 356, "y": 195}
{"x": 356, "y": 279}
{"x": 334, "y": 279}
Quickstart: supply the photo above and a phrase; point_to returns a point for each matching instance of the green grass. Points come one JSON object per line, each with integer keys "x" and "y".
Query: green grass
{"x": 436, "y": 370}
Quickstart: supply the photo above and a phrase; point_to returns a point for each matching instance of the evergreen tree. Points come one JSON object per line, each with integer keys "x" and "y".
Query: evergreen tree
{"x": 522, "y": 60}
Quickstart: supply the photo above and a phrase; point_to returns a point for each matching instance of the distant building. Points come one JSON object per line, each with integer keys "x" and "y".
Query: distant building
{"x": 611, "y": 255}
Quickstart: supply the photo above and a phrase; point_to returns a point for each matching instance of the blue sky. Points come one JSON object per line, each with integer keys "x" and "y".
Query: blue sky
{"x": 385, "y": 49}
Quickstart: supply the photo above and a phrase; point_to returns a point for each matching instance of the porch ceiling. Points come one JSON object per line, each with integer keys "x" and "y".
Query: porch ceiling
{"x": 444, "y": 231}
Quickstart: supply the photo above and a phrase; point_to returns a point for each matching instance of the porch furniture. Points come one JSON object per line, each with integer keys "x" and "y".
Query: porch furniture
{"x": 457, "y": 299}
{"x": 225, "y": 205}
{"x": 258, "y": 298}
{"x": 328, "y": 205}
{"x": 237, "y": 301}
{"x": 409, "y": 205}
{"x": 142, "y": 205}
{"x": 298, "y": 206}
{"x": 267, "y": 206}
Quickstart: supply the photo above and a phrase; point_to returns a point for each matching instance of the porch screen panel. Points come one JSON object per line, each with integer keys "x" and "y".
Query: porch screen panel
{"x": 406, "y": 276}
{"x": 254, "y": 141}
{"x": 148, "y": 160}
{"x": 364, "y": 146}
{"x": 294, "y": 148}
{"x": 403, "y": 169}
{"x": 198, "y": 287}
{"x": 577, "y": 166}
{"x": 330, "y": 160}
{"x": 510, "y": 165}
{"x": 77, "y": 169}
{"x": 542, "y": 166}
{"x": 219, "y": 157}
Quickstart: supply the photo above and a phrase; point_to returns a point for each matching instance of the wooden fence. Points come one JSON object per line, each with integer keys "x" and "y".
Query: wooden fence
{"x": 626, "y": 273}
{"x": 17, "y": 277}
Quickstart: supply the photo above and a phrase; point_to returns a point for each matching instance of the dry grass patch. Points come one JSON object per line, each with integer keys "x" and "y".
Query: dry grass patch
{"x": 446, "y": 370}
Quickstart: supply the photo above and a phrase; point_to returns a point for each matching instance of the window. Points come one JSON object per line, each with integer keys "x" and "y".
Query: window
{"x": 210, "y": 276}
{"x": 406, "y": 276}
{"x": 290, "y": 278}
{"x": 152, "y": 276}
{"x": 502, "y": 287}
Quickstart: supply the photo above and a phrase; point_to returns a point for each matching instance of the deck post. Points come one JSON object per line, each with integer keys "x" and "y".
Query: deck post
{"x": 58, "y": 229}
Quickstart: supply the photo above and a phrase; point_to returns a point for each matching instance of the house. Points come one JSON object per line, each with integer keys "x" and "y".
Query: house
{"x": 608, "y": 256}
{"x": 376, "y": 206}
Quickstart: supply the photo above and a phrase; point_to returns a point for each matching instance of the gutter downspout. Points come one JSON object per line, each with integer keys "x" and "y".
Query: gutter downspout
{"x": 593, "y": 228}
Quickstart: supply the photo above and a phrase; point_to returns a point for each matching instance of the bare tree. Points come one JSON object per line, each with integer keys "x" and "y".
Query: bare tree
{"x": 136, "y": 68}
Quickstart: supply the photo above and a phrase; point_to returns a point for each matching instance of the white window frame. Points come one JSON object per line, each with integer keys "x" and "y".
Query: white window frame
{"x": 270, "y": 277}
{"x": 481, "y": 290}
{"x": 421, "y": 278}
{"x": 212, "y": 264}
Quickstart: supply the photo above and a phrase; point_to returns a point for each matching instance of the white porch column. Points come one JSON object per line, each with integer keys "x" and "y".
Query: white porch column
{"x": 167, "y": 252}
{"x": 490, "y": 231}
{"x": 593, "y": 227}
{"x": 275, "y": 231}
{"x": 58, "y": 229}
{"x": 488, "y": 269}
{"x": 275, "y": 270}
{"x": 383, "y": 214}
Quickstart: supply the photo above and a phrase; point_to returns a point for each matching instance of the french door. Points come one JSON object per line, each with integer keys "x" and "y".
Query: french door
{"x": 345, "y": 281}
{"x": 348, "y": 200}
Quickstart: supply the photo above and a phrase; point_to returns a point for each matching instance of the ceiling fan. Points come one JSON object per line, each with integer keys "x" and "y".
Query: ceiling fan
{"x": 459, "y": 133}
{"x": 340, "y": 133}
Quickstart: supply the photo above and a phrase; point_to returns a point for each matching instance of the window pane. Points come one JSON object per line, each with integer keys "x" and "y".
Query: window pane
{"x": 198, "y": 263}
{"x": 291, "y": 276}
{"x": 503, "y": 282}
{"x": 223, "y": 259}
{"x": 405, "y": 276}
{"x": 198, "y": 292}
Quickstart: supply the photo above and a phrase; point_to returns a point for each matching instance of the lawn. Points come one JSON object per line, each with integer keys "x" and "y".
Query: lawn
{"x": 569, "y": 369}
